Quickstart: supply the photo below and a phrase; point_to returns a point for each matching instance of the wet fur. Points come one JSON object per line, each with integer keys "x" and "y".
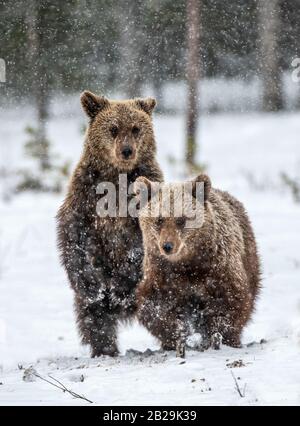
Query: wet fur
{"x": 103, "y": 256}
{"x": 211, "y": 287}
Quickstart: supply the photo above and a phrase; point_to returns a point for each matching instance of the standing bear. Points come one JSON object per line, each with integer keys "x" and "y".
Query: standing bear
{"x": 103, "y": 255}
{"x": 202, "y": 278}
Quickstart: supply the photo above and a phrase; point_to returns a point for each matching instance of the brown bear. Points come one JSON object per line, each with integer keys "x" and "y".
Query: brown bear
{"x": 197, "y": 279}
{"x": 103, "y": 255}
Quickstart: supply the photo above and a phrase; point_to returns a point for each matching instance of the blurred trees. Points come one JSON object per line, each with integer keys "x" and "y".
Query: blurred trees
{"x": 105, "y": 45}
{"x": 54, "y": 47}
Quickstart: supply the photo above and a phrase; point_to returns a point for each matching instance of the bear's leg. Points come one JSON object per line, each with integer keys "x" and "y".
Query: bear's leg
{"x": 221, "y": 330}
{"x": 232, "y": 338}
{"x": 201, "y": 326}
{"x": 170, "y": 336}
{"x": 216, "y": 341}
{"x": 159, "y": 320}
{"x": 173, "y": 334}
{"x": 181, "y": 337}
{"x": 205, "y": 338}
{"x": 98, "y": 327}
{"x": 103, "y": 337}
{"x": 168, "y": 345}
{"x": 210, "y": 328}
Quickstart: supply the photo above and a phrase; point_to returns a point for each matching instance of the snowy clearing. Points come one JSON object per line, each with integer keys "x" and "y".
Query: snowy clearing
{"x": 245, "y": 154}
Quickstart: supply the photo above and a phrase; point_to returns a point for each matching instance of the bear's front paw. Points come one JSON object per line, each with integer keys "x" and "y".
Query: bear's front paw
{"x": 113, "y": 352}
{"x": 216, "y": 341}
{"x": 180, "y": 349}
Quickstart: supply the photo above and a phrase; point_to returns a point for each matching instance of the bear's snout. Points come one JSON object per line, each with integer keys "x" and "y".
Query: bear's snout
{"x": 172, "y": 249}
{"x": 127, "y": 152}
{"x": 168, "y": 247}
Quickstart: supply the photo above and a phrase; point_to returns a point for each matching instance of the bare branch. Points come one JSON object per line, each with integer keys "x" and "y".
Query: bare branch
{"x": 63, "y": 388}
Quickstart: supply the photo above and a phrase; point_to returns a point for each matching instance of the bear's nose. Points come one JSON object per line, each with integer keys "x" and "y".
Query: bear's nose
{"x": 168, "y": 247}
{"x": 127, "y": 152}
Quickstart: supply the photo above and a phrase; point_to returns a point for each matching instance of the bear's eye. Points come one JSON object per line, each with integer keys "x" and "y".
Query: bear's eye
{"x": 180, "y": 222}
{"x": 114, "y": 131}
{"x": 135, "y": 131}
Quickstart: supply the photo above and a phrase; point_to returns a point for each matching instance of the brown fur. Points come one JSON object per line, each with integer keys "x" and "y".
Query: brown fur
{"x": 103, "y": 256}
{"x": 209, "y": 282}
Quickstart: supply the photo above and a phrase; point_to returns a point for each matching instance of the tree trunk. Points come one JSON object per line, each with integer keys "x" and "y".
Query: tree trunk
{"x": 39, "y": 84}
{"x": 193, "y": 75}
{"x": 130, "y": 47}
{"x": 269, "y": 26}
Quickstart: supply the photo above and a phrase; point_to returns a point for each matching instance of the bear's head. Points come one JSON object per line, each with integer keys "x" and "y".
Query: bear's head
{"x": 120, "y": 133}
{"x": 174, "y": 218}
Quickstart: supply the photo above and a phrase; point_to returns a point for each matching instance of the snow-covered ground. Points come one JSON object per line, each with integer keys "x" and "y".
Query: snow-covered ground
{"x": 245, "y": 154}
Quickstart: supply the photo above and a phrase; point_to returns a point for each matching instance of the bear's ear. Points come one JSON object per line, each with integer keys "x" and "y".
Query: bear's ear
{"x": 201, "y": 179}
{"x": 92, "y": 104}
{"x": 147, "y": 104}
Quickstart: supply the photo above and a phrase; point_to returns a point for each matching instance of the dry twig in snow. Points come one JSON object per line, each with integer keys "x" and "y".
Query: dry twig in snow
{"x": 242, "y": 394}
{"x": 62, "y": 387}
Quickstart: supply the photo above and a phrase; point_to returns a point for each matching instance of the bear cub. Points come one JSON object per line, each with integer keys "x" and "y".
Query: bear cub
{"x": 103, "y": 255}
{"x": 201, "y": 279}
